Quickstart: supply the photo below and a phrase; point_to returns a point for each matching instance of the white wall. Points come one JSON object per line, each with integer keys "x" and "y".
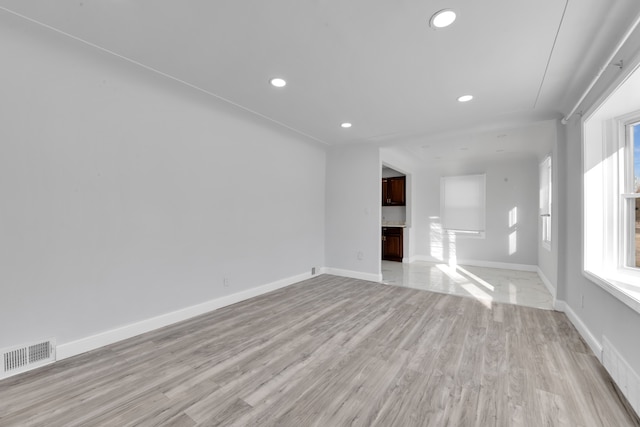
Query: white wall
{"x": 126, "y": 195}
{"x": 510, "y": 184}
{"x": 353, "y": 206}
{"x": 600, "y": 314}
{"x": 596, "y": 313}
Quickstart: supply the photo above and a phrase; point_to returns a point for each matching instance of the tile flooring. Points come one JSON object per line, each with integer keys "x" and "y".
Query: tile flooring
{"x": 484, "y": 284}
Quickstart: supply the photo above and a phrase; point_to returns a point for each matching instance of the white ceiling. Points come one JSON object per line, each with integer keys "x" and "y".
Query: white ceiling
{"x": 375, "y": 63}
{"x": 478, "y": 146}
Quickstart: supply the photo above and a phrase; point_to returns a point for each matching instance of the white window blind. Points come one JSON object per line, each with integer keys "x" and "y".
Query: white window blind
{"x": 462, "y": 203}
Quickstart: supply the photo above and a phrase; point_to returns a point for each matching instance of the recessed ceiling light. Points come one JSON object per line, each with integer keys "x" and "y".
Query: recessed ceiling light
{"x": 465, "y": 98}
{"x": 278, "y": 82}
{"x": 442, "y": 19}
{"x": 345, "y": 125}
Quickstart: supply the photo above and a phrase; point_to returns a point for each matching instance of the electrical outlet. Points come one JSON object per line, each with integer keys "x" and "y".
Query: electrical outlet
{"x": 225, "y": 282}
{"x": 313, "y": 271}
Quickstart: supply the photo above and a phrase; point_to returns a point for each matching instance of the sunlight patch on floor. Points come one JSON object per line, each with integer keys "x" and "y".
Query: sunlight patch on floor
{"x": 485, "y": 284}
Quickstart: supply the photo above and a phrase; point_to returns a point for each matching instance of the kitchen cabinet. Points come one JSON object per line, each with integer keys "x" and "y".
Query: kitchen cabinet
{"x": 393, "y": 191}
{"x": 392, "y": 243}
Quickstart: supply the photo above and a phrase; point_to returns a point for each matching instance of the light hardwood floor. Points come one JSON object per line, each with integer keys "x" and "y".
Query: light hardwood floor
{"x": 332, "y": 351}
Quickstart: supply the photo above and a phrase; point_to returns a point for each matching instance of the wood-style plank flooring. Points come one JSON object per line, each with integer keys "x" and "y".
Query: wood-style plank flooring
{"x": 332, "y": 351}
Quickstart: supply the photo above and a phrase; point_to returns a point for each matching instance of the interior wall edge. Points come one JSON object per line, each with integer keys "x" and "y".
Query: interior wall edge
{"x": 594, "y": 344}
{"x": 547, "y": 283}
{"x": 371, "y": 277}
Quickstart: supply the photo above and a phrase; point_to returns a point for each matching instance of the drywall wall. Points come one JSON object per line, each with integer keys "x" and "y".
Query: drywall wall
{"x": 126, "y": 195}
{"x": 511, "y": 213}
{"x": 353, "y": 204}
{"x": 596, "y": 313}
{"x": 600, "y": 313}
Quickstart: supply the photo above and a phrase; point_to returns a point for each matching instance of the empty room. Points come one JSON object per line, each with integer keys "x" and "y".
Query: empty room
{"x": 320, "y": 213}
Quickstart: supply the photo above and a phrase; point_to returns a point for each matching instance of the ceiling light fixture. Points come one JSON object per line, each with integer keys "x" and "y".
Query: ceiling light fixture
{"x": 465, "y": 98}
{"x": 345, "y": 125}
{"x": 442, "y": 19}
{"x": 278, "y": 82}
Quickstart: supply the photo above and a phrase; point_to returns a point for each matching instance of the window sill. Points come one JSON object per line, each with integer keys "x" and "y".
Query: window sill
{"x": 619, "y": 287}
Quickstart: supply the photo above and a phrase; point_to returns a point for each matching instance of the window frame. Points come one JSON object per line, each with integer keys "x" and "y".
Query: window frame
{"x": 627, "y": 249}
{"x": 605, "y": 234}
{"x": 546, "y": 211}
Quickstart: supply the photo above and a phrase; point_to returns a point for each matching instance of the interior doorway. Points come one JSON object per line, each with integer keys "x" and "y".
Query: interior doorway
{"x": 394, "y": 214}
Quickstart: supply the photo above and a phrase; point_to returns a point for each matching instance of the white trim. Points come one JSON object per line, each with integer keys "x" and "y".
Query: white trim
{"x": 503, "y": 265}
{"x": 586, "y": 334}
{"x": 559, "y": 305}
{"x": 353, "y": 274}
{"x": 477, "y": 263}
{"x": 426, "y": 258}
{"x": 101, "y": 339}
{"x": 550, "y": 286}
{"x": 623, "y": 374}
{"x": 605, "y": 219}
{"x": 624, "y": 292}
{"x": 545, "y": 170}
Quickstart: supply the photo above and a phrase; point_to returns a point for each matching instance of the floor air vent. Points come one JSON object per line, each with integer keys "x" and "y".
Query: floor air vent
{"x": 24, "y": 358}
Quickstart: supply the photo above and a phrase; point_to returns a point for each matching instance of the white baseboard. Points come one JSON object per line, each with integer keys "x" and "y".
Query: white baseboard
{"x": 502, "y": 265}
{"x": 477, "y": 263}
{"x": 92, "y": 342}
{"x": 427, "y": 258}
{"x": 586, "y": 334}
{"x": 625, "y": 377}
{"x": 550, "y": 286}
{"x": 627, "y": 380}
{"x": 353, "y": 274}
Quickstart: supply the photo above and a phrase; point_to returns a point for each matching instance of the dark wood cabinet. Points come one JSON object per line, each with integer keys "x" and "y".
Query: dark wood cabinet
{"x": 393, "y": 191}
{"x": 392, "y": 243}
